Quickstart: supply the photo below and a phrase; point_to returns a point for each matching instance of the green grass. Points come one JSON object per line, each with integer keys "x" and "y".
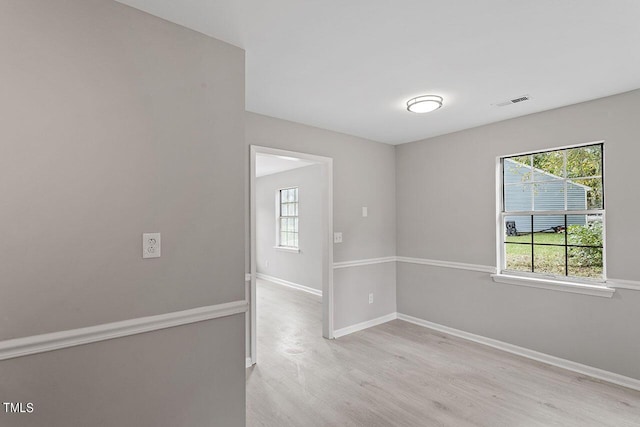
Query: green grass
{"x": 554, "y": 238}
{"x": 547, "y": 259}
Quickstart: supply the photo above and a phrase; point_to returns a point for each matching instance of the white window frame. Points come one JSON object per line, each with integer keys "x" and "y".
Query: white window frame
{"x": 279, "y": 217}
{"x": 596, "y": 287}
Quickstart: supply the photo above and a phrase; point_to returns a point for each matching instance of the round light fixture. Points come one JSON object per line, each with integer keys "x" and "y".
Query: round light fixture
{"x": 424, "y": 103}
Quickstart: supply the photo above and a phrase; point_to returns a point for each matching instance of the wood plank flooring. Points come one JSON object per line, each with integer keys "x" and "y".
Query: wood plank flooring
{"x": 400, "y": 374}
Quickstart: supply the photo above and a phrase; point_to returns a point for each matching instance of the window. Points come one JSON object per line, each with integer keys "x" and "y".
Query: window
{"x": 552, "y": 214}
{"x": 287, "y": 224}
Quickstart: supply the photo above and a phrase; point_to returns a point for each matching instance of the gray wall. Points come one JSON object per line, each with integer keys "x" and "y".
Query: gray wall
{"x": 305, "y": 267}
{"x": 363, "y": 175}
{"x": 117, "y": 123}
{"x": 595, "y": 331}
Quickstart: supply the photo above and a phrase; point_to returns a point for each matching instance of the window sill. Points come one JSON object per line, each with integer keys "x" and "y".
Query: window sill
{"x": 286, "y": 249}
{"x": 555, "y": 285}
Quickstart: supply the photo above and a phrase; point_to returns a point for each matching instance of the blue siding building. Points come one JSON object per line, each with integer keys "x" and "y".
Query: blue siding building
{"x": 531, "y": 189}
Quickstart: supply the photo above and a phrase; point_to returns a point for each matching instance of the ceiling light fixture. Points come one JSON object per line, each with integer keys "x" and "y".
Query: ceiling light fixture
{"x": 424, "y": 103}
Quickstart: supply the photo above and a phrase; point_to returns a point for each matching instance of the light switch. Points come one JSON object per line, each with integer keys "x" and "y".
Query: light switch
{"x": 337, "y": 237}
{"x": 365, "y": 211}
{"x": 151, "y": 245}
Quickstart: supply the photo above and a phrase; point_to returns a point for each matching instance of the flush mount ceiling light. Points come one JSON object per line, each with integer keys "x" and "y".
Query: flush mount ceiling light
{"x": 424, "y": 103}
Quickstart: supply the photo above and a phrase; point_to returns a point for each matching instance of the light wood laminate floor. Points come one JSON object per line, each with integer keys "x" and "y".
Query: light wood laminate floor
{"x": 400, "y": 374}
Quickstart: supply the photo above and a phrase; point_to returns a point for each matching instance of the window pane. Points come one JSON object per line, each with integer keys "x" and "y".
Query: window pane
{"x": 549, "y": 260}
{"x": 295, "y": 240}
{"x": 283, "y": 196}
{"x": 585, "y": 262}
{"x": 585, "y": 231}
{"x": 517, "y": 228}
{"x": 548, "y": 196}
{"x": 295, "y": 224}
{"x": 585, "y": 193}
{"x": 549, "y": 229}
{"x": 517, "y": 257}
{"x": 548, "y": 166}
{"x": 518, "y": 197}
{"x": 283, "y": 238}
{"x": 517, "y": 170}
{"x": 584, "y": 161}
{"x": 284, "y": 210}
{"x": 295, "y": 194}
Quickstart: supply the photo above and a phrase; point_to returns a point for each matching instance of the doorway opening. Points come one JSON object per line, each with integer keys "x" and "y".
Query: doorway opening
{"x": 291, "y": 230}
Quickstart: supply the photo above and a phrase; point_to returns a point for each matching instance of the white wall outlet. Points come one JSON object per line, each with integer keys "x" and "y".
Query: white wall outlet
{"x": 150, "y": 245}
{"x": 371, "y": 298}
{"x": 337, "y": 237}
{"x": 365, "y": 212}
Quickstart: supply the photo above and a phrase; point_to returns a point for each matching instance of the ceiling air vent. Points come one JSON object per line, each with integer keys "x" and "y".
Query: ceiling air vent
{"x": 513, "y": 101}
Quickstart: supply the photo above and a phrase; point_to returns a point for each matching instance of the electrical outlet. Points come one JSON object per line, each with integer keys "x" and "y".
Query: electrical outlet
{"x": 371, "y": 298}
{"x": 337, "y": 237}
{"x": 151, "y": 245}
{"x": 365, "y": 212}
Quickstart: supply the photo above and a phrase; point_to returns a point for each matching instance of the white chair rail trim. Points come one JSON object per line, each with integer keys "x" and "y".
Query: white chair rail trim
{"x": 360, "y": 262}
{"x": 624, "y": 284}
{"x": 448, "y": 264}
{"x": 610, "y": 283}
{"x": 35, "y": 344}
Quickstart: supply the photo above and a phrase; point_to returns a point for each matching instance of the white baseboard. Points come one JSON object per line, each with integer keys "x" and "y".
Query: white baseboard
{"x": 531, "y": 354}
{"x": 289, "y": 284}
{"x": 364, "y": 325}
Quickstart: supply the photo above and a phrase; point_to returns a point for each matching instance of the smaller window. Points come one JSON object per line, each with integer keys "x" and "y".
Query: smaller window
{"x": 287, "y": 223}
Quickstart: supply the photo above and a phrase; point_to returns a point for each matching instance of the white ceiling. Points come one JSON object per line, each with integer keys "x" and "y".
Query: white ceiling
{"x": 349, "y": 66}
{"x": 267, "y": 164}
